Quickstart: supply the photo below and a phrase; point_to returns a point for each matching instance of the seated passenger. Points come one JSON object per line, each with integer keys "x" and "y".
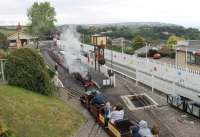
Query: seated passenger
{"x": 107, "y": 114}
{"x": 99, "y": 99}
{"x": 144, "y": 130}
{"x": 135, "y": 131}
{"x": 155, "y": 131}
{"x": 117, "y": 114}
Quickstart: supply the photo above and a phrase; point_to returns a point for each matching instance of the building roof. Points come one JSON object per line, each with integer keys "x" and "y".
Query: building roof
{"x": 22, "y": 35}
{"x": 190, "y": 45}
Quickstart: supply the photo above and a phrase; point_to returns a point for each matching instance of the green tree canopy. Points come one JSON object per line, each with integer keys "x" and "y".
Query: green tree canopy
{"x": 26, "y": 68}
{"x": 138, "y": 42}
{"x": 3, "y": 41}
{"x": 42, "y": 18}
{"x": 172, "y": 40}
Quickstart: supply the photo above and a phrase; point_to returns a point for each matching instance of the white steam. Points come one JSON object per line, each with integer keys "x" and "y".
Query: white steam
{"x": 70, "y": 43}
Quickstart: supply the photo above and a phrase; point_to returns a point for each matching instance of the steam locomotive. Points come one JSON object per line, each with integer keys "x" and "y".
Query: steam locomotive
{"x": 73, "y": 64}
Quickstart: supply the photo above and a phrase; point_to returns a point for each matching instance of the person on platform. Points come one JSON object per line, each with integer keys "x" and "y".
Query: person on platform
{"x": 117, "y": 114}
{"x": 144, "y": 130}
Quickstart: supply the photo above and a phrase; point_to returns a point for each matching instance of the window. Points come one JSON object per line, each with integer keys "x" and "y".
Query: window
{"x": 197, "y": 60}
{"x": 193, "y": 59}
{"x": 188, "y": 57}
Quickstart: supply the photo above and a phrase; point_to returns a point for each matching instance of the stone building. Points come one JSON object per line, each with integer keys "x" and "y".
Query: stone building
{"x": 188, "y": 54}
{"x": 20, "y": 39}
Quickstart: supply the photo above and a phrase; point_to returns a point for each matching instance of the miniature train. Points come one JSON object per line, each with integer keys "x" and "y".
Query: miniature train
{"x": 73, "y": 65}
{"x": 121, "y": 128}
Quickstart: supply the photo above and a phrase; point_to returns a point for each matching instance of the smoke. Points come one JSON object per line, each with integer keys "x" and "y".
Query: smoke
{"x": 70, "y": 43}
{"x": 69, "y": 40}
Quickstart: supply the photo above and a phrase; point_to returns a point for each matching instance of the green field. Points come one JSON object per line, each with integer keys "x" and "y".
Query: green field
{"x": 29, "y": 114}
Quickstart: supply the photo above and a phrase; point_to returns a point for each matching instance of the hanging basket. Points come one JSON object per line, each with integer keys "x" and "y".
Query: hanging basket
{"x": 102, "y": 61}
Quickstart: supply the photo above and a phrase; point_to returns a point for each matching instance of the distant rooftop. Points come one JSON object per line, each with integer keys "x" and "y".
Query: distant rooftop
{"x": 191, "y": 45}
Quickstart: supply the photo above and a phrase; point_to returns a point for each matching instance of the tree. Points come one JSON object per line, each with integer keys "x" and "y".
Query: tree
{"x": 3, "y": 41}
{"x": 26, "y": 68}
{"x": 42, "y": 18}
{"x": 138, "y": 42}
{"x": 172, "y": 40}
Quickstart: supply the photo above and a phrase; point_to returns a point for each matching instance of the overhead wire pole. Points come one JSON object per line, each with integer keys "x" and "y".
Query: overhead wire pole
{"x": 122, "y": 46}
{"x": 146, "y": 49}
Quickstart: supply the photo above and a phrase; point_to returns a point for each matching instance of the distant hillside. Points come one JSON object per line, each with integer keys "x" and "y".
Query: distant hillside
{"x": 150, "y": 31}
{"x": 123, "y": 24}
{"x": 134, "y": 24}
{"x": 8, "y": 30}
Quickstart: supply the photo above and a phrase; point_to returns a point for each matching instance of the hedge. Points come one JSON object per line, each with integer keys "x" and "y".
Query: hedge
{"x": 26, "y": 68}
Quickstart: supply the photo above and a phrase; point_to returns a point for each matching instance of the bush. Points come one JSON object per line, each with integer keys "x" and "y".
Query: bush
{"x": 3, "y": 41}
{"x": 172, "y": 54}
{"x": 5, "y": 132}
{"x": 26, "y": 68}
{"x": 51, "y": 72}
{"x": 143, "y": 55}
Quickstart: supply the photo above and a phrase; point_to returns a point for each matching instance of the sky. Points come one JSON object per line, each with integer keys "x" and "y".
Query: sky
{"x": 181, "y": 12}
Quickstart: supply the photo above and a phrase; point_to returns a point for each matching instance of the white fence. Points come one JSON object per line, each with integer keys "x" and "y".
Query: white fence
{"x": 164, "y": 77}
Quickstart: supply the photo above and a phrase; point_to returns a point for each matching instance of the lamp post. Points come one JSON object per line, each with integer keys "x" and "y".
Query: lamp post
{"x": 186, "y": 56}
{"x": 146, "y": 48}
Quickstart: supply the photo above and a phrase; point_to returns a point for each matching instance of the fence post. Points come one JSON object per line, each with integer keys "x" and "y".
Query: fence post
{"x": 2, "y": 70}
{"x": 152, "y": 87}
{"x": 173, "y": 87}
{"x": 136, "y": 71}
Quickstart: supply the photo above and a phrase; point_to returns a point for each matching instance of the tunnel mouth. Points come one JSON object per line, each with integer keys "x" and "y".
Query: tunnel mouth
{"x": 139, "y": 101}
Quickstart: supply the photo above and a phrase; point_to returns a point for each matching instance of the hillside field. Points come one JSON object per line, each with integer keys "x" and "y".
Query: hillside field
{"x": 30, "y": 114}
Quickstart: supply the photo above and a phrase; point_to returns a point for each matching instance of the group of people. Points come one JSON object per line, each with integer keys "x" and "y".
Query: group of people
{"x": 142, "y": 130}
{"x": 112, "y": 114}
{"x": 115, "y": 113}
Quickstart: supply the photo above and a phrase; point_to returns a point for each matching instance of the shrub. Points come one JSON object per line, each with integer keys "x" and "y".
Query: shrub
{"x": 5, "y": 132}
{"x": 26, "y": 68}
{"x": 51, "y": 72}
{"x": 142, "y": 55}
{"x": 3, "y": 41}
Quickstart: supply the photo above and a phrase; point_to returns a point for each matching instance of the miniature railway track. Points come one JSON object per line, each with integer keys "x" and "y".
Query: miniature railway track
{"x": 166, "y": 132}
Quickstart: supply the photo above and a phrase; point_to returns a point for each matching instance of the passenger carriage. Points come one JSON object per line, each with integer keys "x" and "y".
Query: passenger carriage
{"x": 121, "y": 128}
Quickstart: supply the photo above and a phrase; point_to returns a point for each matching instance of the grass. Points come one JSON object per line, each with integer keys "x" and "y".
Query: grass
{"x": 29, "y": 114}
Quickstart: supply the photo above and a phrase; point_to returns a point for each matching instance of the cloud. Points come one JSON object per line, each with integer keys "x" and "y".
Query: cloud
{"x": 183, "y": 12}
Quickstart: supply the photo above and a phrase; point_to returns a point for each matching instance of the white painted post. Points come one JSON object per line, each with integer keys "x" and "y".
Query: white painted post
{"x": 146, "y": 51}
{"x": 173, "y": 87}
{"x": 2, "y": 70}
{"x": 114, "y": 82}
{"x": 152, "y": 86}
{"x": 122, "y": 44}
{"x": 136, "y": 71}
